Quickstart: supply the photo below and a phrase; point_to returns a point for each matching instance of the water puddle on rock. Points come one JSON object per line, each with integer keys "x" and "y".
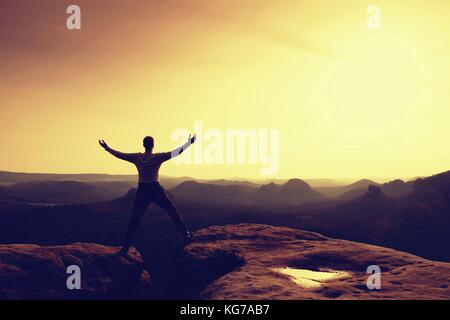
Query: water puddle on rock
{"x": 312, "y": 279}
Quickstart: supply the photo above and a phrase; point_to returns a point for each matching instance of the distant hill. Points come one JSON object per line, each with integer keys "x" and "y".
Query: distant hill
{"x": 417, "y": 221}
{"x": 294, "y": 191}
{"x": 335, "y": 192}
{"x": 352, "y": 194}
{"x": 98, "y": 187}
{"x": 17, "y": 177}
{"x": 8, "y": 178}
{"x": 433, "y": 187}
{"x": 317, "y": 183}
{"x": 314, "y": 183}
{"x": 84, "y": 188}
{"x": 394, "y": 188}
{"x": 213, "y": 193}
{"x": 65, "y": 192}
{"x": 397, "y": 188}
{"x": 225, "y": 182}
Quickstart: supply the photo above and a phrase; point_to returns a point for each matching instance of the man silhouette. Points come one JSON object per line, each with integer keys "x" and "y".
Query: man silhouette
{"x": 149, "y": 190}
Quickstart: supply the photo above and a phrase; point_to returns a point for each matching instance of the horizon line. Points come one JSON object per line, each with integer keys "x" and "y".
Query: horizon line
{"x": 337, "y": 179}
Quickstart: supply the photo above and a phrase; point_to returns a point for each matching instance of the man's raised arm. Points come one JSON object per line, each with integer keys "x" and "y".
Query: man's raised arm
{"x": 176, "y": 152}
{"x": 123, "y": 156}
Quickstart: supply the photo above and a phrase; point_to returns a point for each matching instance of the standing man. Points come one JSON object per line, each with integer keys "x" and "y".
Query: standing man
{"x": 149, "y": 190}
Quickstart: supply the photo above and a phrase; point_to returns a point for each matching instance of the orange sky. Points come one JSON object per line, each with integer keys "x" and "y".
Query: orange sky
{"x": 347, "y": 101}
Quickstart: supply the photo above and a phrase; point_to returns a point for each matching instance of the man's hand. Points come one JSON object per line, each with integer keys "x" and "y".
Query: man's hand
{"x": 176, "y": 152}
{"x": 103, "y": 144}
{"x": 192, "y": 138}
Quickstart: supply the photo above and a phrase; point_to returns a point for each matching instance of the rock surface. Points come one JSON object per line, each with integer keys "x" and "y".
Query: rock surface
{"x": 244, "y": 261}
{"x": 29, "y": 271}
{"x": 241, "y": 261}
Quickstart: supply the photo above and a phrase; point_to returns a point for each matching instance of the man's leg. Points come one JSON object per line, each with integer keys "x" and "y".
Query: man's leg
{"x": 141, "y": 201}
{"x": 161, "y": 199}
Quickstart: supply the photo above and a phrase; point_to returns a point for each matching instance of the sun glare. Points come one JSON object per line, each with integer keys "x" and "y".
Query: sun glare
{"x": 374, "y": 90}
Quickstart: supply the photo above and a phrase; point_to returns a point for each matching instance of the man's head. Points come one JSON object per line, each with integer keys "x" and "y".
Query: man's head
{"x": 148, "y": 143}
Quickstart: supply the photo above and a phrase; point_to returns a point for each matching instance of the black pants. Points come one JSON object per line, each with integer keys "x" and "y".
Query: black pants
{"x": 145, "y": 194}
